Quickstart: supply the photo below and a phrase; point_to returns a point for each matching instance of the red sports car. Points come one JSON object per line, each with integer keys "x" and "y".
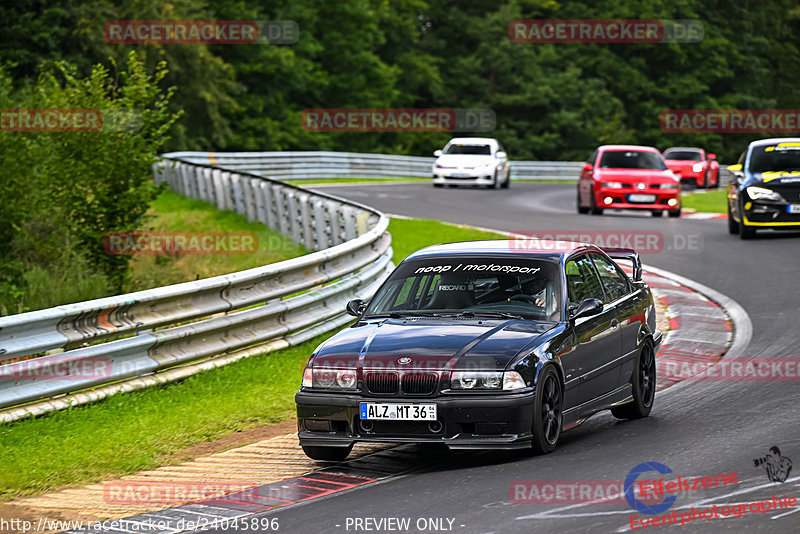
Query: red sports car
{"x": 695, "y": 166}
{"x": 628, "y": 177}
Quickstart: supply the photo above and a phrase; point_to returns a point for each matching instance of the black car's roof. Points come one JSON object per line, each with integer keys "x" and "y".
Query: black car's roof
{"x": 520, "y": 248}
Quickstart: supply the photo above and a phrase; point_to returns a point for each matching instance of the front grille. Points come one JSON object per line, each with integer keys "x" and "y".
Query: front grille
{"x": 419, "y": 383}
{"x": 383, "y": 383}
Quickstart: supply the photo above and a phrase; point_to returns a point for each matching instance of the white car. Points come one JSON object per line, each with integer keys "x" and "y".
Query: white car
{"x": 472, "y": 161}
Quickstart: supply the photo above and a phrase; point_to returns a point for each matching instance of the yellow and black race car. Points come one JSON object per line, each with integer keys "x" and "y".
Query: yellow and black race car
{"x": 765, "y": 190}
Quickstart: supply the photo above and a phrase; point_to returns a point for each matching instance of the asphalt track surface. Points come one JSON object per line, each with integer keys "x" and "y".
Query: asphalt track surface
{"x": 702, "y": 429}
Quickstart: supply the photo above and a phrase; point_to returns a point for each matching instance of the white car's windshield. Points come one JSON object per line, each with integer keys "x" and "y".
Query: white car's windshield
{"x": 473, "y": 150}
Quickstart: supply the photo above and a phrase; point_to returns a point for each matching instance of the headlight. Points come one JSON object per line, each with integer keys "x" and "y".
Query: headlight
{"x": 513, "y": 380}
{"x": 329, "y": 378}
{"x": 476, "y": 380}
{"x": 611, "y": 185}
{"x": 762, "y": 193}
{"x": 472, "y": 380}
{"x": 673, "y": 185}
{"x": 697, "y": 167}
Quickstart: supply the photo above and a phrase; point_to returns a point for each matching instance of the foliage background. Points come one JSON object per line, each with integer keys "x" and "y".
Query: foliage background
{"x": 552, "y": 101}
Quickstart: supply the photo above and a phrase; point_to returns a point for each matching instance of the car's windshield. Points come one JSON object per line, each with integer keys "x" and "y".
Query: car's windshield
{"x": 474, "y": 150}
{"x": 475, "y": 285}
{"x": 685, "y": 155}
{"x": 777, "y": 157}
{"x": 631, "y": 159}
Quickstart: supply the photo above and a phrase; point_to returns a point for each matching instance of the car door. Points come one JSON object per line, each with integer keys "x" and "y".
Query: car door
{"x": 629, "y": 315}
{"x": 589, "y": 368}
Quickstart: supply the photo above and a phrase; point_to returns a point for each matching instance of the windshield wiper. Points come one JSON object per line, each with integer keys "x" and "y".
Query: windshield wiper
{"x": 490, "y": 314}
{"x": 399, "y": 315}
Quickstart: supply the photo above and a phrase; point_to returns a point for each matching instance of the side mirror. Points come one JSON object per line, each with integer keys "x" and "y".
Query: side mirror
{"x": 735, "y": 168}
{"x": 712, "y": 156}
{"x": 355, "y": 307}
{"x": 587, "y": 308}
{"x": 587, "y": 167}
{"x": 437, "y": 153}
{"x": 501, "y": 154}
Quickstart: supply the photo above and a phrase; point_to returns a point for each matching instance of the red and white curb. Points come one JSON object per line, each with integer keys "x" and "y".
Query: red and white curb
{"x": 700, "y": 330}
{"x": 704, "y": 216}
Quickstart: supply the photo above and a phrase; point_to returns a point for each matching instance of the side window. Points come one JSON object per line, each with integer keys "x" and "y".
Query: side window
{"x": 740, "y": 161}
{"x": 592, "y": 158}
{"x": 582, "y": 282}
{"x": 614, "y": 282}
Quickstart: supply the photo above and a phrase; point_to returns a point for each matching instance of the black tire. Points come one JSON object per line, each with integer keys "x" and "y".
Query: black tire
{"x": 547, "y": 412}
{"x": 594, "y": 210}
{"x": 674, "y": 213}
{"x": 438, "y": 185}
{"x": 733, "y": 226}
{"x": 327, "y": 454}
{"x": 745, "y": 232}
{"x": 643, "y": 380}
{"x": 507, "y": 181}
{"x": 657, "y": 213}
{"x": 582, "y": 210}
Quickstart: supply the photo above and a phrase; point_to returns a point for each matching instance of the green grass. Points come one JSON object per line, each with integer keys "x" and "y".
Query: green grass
{"x": 141, "y": 430}
{"x": 409, "y": 235}
{"x": 707, "y": 201}
{"x": 171, "y": 212}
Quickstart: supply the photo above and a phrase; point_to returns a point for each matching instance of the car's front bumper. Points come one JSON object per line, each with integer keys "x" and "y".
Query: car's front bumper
{"x": 620, "y": 199}
{"x": 501, "y": 421}
{"x": 774, "y": 215}
{"x": 691, "y": 178}
{"x": 481, "y": 178}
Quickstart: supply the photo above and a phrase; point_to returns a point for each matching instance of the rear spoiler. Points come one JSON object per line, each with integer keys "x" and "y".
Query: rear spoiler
{"x": 627, "y": 254}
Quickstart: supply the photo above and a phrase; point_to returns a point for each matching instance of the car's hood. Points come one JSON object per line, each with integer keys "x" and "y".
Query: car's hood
{"x": 778, "y": 177}
{"x": 631, "y": 176}
{"x": 464, "y": 160}
{"x": 680, "y": 164}
{"x": 430, "y": 343}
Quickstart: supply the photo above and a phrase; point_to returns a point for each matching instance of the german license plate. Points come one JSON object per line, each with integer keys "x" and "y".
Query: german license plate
{"x": 398, "y": 412}
{"x": 793, "y": 208}
{"x": 642, "y": 198}
{"x": 459, "y": 175}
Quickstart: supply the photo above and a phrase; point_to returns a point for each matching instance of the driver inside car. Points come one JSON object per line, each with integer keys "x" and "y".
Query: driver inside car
{"x": 537, "y": 290}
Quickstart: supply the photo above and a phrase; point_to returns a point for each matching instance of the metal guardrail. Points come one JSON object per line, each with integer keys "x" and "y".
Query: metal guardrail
{"x": 128, "y": 336}
{"x": 331, "y": 165}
